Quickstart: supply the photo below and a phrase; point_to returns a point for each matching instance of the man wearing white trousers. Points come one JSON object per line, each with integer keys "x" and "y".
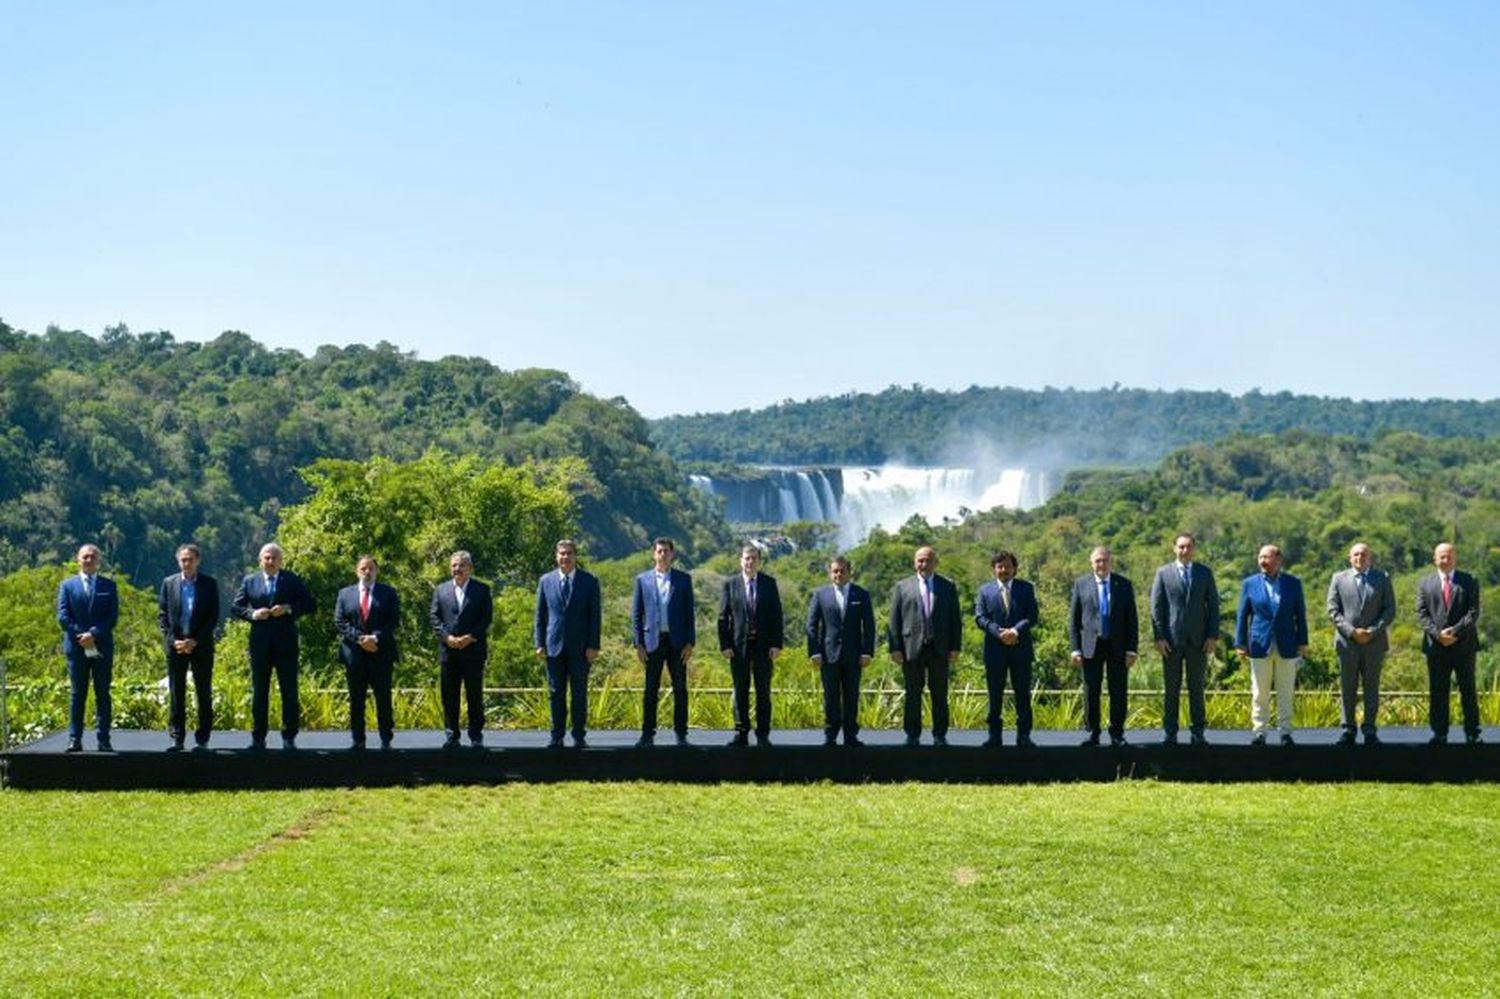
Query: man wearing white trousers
{"x": 1271, "y": 631}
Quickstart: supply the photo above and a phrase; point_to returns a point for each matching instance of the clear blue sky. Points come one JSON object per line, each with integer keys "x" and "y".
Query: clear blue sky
{"x": 702, "y": 206}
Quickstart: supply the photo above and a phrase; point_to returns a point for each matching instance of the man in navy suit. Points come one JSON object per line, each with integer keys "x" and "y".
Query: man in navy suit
{"x": 926, "y": 633}
{"x": 1185, "y": 627}
{"x": 272, "y": 600}
{"x": 1271, "y": 631}
{"x": 460, "y": 615}
{"x": 664, "y": 633}
{"x": 366, "y": 616}
{"x": 1006, "y": 611}
{"x": 566, "y": 628}
{"x": 1448, "y": 612}
{"x": 1104, "y": 634}
{"x": 751, "y": 635}
{"x": 187, "y": 613}
{"x": 88, "y": 606}
{"x": 841, "y": 643}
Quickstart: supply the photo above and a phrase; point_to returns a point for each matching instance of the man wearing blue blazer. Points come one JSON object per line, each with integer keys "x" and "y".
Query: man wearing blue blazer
{"x": 567, "y": 628}
{"x": 926, "y": 634}
{"x": 1185, "y": 627}
{"x": 1006, "y": 611}
{"x": 88, "y": 605}
{"x": 1271, "y": 631}
{"x": 272, "y": 600}
{"x": 460, "y": 615}
{"x": 752, "y": 631}
{"x": 664, "y": 633}
{"x": 841, "y": 643}
{"x": 1104, "y": 634}
{"x": 187, "y": 614}
{"x": 366, "y": 616}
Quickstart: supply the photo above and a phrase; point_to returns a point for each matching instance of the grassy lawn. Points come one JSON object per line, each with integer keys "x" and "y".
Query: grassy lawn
{"x": 1131, "y": 888}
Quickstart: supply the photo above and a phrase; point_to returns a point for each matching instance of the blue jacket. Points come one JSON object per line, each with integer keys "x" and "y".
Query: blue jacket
{"x": 76, "y": 613}
{"x": 645, "y": 626}
{"x": 572, "y": 628}
{"x": 1259, "y": 624}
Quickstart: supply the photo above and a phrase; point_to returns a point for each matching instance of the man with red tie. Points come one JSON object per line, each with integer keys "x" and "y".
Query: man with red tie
{"x": 1448, "y": 611}
{"x": 365, "y": 616}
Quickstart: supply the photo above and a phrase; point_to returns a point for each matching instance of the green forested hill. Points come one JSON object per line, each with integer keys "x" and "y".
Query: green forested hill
{"x": 926, "y": 426}
{"x": 140, "y": 441}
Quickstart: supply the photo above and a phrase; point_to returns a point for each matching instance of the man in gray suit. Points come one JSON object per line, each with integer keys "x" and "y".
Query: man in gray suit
{"x": 1361, "y": 605}
{"x": 926, "y": 632}
{"x": 1185, "y": 627}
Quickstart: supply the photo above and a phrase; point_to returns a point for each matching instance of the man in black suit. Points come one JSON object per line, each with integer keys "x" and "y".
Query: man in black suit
{"x": 1448, "y": 611}
{"x": 460, "y": 614}
{"x": 187, "y": 612}
{"x": 366, "y": 616}
{"x": 841, "y": 643}
{"x": 1104, "y": 634}
{"x": 1185, "y": 627}
{"x": 751, "y": 635}
{"x": 1006, "y": 612}
{"x": 926, "y": 633}
{"x": 272, "y": 600}
{"x": 566, "y": 630}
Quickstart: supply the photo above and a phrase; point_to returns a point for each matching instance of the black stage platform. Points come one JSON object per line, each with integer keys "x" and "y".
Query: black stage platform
{"x": 323, "y": 759}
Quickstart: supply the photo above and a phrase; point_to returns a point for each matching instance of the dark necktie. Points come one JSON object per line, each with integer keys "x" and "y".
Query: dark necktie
{"x": 567, "y": 590}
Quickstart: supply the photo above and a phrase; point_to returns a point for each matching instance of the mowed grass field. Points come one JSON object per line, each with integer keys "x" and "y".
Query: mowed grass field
{"x": 1124, "y": 889}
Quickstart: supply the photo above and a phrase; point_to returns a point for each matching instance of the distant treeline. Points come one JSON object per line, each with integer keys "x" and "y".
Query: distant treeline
{"x": 138, "y": 441}
{"x": 1124, "y": 426}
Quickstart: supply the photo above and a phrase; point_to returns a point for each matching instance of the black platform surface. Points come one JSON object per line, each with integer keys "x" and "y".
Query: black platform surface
{"x": 323, "y": 759}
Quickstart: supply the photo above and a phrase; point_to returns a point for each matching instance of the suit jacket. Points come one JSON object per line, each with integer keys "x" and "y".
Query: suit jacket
{"x": 203, "y": 623}
{"x": 1462, "y": 614}
{"x": 1261, "y": 625}
{"x": 734, "y": 614}
{"x": 1184, "y": 618}
{"x": 991, "y": 617}
{"x": 841, "y": 637}
{"x": 77, "y": 613}
{"x": 385, "y": 616}
{"x": 1375, "y": 611}
{"x": 279, "y": 633}
{"x": 1084, "y": 625}
{"x": 909, "y": 630}
{"x": 645, "y": 625}
{"x": 473, "y": 619}
{"x": 570, "y": 628}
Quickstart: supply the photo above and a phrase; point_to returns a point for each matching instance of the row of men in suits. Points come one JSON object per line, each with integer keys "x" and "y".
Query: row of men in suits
{"x": 924, "y": 638}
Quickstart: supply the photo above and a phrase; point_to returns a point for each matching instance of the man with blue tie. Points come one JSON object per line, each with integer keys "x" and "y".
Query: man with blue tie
{"x": 1271, "y": 631}
{"x": 926, "y": 634}
{"x": 88, "y": 606}
{"x": 752, "y": 632}
{"x": 664, "y": 633}
{"x": 272, "y": 600}
{"x": 366, "y": 616}
{"x": 1104, "y": 634}
{"x": 566, "y": 629}
{"x": 460, "y": 615}
{"x": 1006, "y": 612}
{"x": 1362, "y": 606}
{"x": 841, "y": 643}
{"x": 187, "y": 613}
{"x": 1185, "y": 627}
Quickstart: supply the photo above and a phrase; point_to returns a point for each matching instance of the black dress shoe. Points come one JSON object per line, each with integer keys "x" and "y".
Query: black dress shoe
{"x": 1170, "y": 740}
{"x": 1287, "y": 740}
{"x": 289, "y": 743}
{"x": 1371, "y": 739}
{"x": 853, "y": 740}
{"x": 75, "y": 746}
{"x": 1024, "y": 742}
{"x": 579, "y": 742}
{"x": 645, "y": 742}
{"x": 257, "y": 744}
{"x": 556, "y": 742}
{"x": 940, "y": 740}
{"x": 993, "y": 742}
{"x": 913, "y": 740}
{"x": 762, "y": 740}
{"x": 1118, "y": 740}
{"x": 105, "y": 746}
{"x": 682, "y": 739}
{"x": 1473, "y": 739}
{"x": 451, "y": 742}
{"x": 1259, "y": 740}
{"x": 175, "y": 747}
{"x": 1347, "y": 739}
{"x": 1092, "y": 740}
{"x": 1199, "y": 740}
{"x": 476, "y": 741}
{"x": 356, "y": 745}
{"x": 200, "y": 747}
{"x": 740, "y": 739}
{"x": 829, "y": 740}
{"x": 385, "y": 742}
{"x": 1438, "y": 740}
